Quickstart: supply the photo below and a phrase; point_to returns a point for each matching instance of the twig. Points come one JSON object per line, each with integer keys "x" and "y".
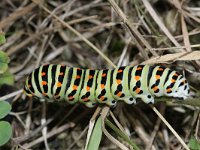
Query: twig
{"x": 185, "y": 34}
{"x": 109, "y": 136}
{"x": 160, "y": 23}
{"x": 156, "y": 128}
{"x": 136, "y": 34}
{"x": 44, "y": 130}
{"x": 3, "y": 98}
{"x": 170, "y": 127}
{"x": 180, "y": 47}
{"x": 77, "y": 139}
{"x": 50, "y": 134}
{"x": 77, "y": 33}
{"x": 16, "y": 14}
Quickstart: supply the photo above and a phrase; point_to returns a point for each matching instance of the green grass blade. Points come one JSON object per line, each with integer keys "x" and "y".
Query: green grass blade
{"x": 121, "y": 134}
{"x": 96, "y": 136}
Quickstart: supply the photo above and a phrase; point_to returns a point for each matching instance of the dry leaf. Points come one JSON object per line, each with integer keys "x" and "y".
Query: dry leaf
{"x": 194, "y": 55}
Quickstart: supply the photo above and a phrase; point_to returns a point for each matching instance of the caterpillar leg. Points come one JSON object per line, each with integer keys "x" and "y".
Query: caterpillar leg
{"x": 147, "y": 98}
{"x": 90, "y": 104}
{"x": 112, "y": 103}
{"x": 129, "y": 100}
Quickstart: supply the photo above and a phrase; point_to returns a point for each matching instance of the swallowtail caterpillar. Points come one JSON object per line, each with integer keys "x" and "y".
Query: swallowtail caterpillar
{"x": 87, "y": 86}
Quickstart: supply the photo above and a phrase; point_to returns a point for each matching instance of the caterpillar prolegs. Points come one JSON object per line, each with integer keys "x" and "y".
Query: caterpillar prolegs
{"x": 62, "y": 83}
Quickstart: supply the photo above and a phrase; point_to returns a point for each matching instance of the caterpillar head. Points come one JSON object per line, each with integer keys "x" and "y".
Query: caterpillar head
{"x": 178, "y": 89}
{"x": 182, "y": 90}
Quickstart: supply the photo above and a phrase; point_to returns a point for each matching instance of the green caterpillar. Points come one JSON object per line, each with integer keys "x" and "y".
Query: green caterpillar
{"x": 58, "y": 82}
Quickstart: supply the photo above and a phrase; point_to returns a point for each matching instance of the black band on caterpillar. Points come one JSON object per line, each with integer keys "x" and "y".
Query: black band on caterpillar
{"x": 57, "y": 82}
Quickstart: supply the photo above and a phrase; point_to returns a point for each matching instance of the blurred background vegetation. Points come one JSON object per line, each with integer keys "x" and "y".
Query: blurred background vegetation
{"x": 91, "y": 34}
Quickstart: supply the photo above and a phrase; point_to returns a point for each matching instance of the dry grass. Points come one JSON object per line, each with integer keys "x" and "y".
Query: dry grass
{"x": 99, "y": 34}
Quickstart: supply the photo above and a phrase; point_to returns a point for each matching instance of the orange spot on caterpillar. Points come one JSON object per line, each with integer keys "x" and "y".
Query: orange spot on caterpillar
{"x": 137, "y": 90}
{"x": 87, "y": 88}
{"x": 139, "y": 68}
{"x": 29, "y": 86}
{"x": 75, "y": 87}
{"x": 61, "y": 74}
{"x": 173, "y": 80}
{"x": 157, "y": 76}
{"x": 119, "y": 71}
{"x": 169, "y": 90}
{"x": 155, "y": 88}
{"x": 119, "y": 94}
{"x": 160, "y": 69}
{"x": 118, "y": 81}
{"x": 86, "y": 99}
{"x": 45, "y": 94}
{"x": 175, "y": 74}
{"x": 78, "y": 77}
{"x": 78, "y": 68}
{"x": 59, "y": 84}
{"x": 102, "y": 98}
{"x": 90, "y": 76}
{"x": 104, "y": 75}
{"x": 43, "y": 74}
{"x": 44, "y": 83}
{"x": 71, "y": 97}
{"x": 102, "y": 86}
{"x": 137, "y": 78}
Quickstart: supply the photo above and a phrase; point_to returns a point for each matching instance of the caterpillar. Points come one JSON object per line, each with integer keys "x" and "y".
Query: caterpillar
{"x": 87, "y": 86}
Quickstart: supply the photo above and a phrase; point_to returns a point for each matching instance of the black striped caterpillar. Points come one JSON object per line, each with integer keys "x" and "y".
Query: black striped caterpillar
{"x": 58, "y": 82}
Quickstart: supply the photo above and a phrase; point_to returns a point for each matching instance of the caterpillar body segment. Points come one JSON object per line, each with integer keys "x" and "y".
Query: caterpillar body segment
{"x": 157, "y": 80}
{"x": 87, "y": 94}
{"x": 62, "y": 83}
{"x": 121, "y": 84}
{"x": 139, "y": 83}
